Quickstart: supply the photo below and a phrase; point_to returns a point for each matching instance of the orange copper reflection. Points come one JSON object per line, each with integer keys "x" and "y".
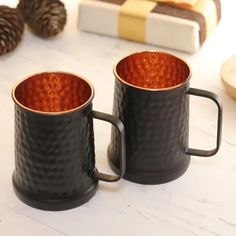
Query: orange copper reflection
{"x": 153, "y": 70}
{"x": 53, "y": 92}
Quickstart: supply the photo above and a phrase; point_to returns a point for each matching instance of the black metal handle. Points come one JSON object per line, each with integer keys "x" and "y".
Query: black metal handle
{"x": 121, "y": 129}
{"x": 216, "y": 99}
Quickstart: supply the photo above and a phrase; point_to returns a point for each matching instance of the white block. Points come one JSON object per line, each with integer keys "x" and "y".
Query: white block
{"x": 161, "y": 30}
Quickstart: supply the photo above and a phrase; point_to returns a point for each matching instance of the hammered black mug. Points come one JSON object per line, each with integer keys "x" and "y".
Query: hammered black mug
{"x": 54, "y": 141}
{"x": 151, "y": 98}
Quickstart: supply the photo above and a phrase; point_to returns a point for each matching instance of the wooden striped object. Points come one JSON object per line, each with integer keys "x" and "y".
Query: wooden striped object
{"x": 179, "y": 24}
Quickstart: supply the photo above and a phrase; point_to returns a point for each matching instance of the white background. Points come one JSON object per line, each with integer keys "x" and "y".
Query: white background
{"x": 200, "y": 203}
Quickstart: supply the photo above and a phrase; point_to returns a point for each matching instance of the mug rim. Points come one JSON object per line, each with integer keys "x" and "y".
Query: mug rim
{"x": 152, "y": 89}
{"x": 54, "y": 112}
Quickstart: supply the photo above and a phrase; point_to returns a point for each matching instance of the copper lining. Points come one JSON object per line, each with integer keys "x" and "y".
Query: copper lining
{"x": 153, "y": 70}
{"x": 53, "y": 92}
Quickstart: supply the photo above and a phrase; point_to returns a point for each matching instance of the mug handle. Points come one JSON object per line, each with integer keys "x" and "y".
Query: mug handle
{"x": 216, "y": 99}
{"x": 121, "y": 130}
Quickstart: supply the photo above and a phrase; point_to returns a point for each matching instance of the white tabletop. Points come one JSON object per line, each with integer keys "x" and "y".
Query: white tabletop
{"x": 200, "y": 203}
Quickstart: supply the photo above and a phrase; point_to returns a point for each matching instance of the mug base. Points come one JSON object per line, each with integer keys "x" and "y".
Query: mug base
{"x": 53, "y": 204}
{"x": 151, "y": 178}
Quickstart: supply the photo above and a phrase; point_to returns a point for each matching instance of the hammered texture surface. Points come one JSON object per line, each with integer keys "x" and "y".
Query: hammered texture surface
{"x": 153, "y": 70}
{"x": 53, "y": 92}
{"x": 156, "y": 124}
{"x": 54, "y": 154}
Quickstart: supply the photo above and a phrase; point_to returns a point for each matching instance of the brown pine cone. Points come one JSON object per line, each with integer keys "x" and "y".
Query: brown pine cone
{"x": 11, "y": 29}
{"x": 45, "y": 18}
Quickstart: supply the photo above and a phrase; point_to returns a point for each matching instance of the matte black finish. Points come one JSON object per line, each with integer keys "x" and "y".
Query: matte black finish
{"x": 54, "y": 156}
{"x": 157, "y": 127}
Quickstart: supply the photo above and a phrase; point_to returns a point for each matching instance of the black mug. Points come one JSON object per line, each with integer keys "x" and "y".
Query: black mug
{"x": 54, "y": 141}
{"x": 151, "y": 98}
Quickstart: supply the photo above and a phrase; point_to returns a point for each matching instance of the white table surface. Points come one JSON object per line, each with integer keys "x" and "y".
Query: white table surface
{"x": 200, "y": 203}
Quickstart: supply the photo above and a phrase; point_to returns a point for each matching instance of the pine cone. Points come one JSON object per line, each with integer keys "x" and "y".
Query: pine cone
{"x": 45, "y": 18}
{"x": 11, "y": 29}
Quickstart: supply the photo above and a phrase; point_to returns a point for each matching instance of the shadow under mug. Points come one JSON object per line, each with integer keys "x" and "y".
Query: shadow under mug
{"x": 54, "y": 141}
{"x": 151, "y": 98}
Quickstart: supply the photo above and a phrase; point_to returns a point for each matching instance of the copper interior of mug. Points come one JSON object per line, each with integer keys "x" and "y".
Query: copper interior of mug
{"x": 53, "y": 92}
{"x": 153, "y": 70}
